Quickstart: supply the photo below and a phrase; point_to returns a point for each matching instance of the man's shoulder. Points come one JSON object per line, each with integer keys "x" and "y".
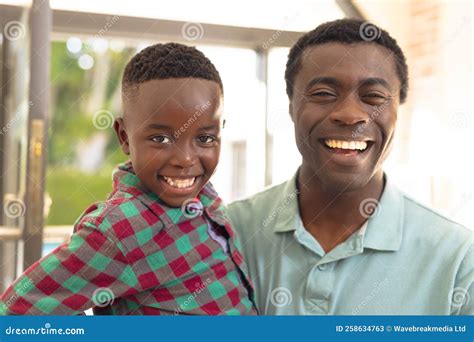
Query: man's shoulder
{"x": 261, "y": 197}
{"x": 433, "y": 225}
{"x": 257, "y": 207}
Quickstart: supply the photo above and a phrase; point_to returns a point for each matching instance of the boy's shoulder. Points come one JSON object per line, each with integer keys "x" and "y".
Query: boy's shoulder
{"x": 122, "y": 214}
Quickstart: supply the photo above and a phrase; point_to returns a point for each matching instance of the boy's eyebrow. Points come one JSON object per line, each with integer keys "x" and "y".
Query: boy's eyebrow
{"x": 209, "y": 127}
{"x": 158, "y": 126}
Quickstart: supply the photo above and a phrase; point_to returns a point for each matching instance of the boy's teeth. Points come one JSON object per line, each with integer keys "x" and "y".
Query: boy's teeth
{"x": 346, "y": 145}
{"x": 180, "y": 182}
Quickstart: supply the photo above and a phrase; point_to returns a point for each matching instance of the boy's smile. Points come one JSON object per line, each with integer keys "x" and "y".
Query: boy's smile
{"x": 171, "y": 131}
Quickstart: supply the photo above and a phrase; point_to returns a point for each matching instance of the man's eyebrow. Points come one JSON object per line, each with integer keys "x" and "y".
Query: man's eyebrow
{"x": 323, "y": 80}
{"x": 334, "y": 82}
{"x": 375, "y": 81}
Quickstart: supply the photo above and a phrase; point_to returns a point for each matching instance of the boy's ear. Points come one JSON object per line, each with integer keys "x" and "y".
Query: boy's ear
{"x": 121, "y": 133}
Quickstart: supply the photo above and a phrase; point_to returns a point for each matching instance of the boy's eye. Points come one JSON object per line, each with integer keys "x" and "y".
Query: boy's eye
{"x": 161, "y": 139}
{"x": 206, "y": 139}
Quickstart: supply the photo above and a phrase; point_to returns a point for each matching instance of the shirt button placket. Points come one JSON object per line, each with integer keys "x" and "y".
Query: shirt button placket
{"x": 322, "y": 267}
{"x": 319, "y": 285}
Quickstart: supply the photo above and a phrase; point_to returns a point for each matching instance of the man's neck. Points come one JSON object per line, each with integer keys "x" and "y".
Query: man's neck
{"x": 332, "y": 216}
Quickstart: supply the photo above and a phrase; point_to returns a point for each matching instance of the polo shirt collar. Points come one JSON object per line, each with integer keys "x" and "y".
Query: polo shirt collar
{"x": 384, "y": 229}
{"x": 288, "y": 216}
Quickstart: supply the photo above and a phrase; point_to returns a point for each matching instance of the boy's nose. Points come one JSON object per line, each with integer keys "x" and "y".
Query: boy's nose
{"x": 183, "y": 157}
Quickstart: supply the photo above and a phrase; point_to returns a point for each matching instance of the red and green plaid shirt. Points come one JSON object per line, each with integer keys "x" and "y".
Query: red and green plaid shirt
{"x": 133, "y": 255}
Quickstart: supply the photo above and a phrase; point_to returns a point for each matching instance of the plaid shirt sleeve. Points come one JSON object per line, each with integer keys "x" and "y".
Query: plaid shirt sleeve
{"x": 88, "y": 271}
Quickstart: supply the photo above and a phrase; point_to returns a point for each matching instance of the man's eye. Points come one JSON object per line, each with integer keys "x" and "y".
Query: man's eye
{"x": 206, "y": 139}
{"x": 322, "y": 94}
{"x": 374, "y": 99}
{"x": 374, "y": 95}
{"x": 161, "y": 139}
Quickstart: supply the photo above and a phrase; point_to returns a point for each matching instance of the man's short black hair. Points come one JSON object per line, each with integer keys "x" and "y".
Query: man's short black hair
{"x": 346, "y": 31}
{"x": 164, "y": 61}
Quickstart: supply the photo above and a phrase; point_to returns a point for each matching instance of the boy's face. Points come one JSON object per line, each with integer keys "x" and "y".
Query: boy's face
{"x": 171, "y": 130}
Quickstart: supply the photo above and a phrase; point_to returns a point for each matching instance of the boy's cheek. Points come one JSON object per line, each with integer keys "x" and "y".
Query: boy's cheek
{"x": 211, "y": 166}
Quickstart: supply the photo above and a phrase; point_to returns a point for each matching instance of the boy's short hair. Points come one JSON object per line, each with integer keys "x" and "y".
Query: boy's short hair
{"x": 164, "y": 61}
{"x": 346, "y": 31}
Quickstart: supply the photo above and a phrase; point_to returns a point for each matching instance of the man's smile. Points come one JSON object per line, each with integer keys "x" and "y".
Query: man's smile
{"x": 346, "y": 145}
{"x": 346, "y": 151}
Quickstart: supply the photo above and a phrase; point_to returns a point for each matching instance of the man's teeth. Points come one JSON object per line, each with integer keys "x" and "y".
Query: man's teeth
{"x": 346, "y": 145}
{"x": 180, "y": 182}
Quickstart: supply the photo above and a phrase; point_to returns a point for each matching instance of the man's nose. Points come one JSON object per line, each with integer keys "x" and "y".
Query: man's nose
{"x": 349, "y": 112}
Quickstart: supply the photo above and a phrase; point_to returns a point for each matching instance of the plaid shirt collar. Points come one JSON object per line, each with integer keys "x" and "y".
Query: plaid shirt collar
{"x": 207, "y": 201}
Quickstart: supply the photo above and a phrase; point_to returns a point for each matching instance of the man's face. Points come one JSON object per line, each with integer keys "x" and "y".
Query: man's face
{"x": 172, "y": 133}
{"x": 344, "y": 107}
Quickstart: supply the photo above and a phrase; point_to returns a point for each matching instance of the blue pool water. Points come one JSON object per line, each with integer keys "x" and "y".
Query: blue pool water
{"x": 49, "y": 247}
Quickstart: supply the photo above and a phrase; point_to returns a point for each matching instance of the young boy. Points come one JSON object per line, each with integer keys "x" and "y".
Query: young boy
{"x": 160, "y": 243}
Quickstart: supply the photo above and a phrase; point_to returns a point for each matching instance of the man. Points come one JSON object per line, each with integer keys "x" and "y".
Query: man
{"x": 339, "y": 237}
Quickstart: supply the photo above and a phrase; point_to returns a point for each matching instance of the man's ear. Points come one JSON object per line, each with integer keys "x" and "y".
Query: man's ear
{"x": 122, "y": 136}
{"x": 290, "y": 110}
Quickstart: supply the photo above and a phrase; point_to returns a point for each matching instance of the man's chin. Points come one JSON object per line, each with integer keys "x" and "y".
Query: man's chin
{"x": 344, "y": 182}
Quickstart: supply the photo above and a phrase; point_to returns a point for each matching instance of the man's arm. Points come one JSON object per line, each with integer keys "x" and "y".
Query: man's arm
{"x": 462, "y": 298}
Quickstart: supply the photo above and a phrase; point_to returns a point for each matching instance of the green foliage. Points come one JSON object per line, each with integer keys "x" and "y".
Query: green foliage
{"x": 118, "y": 60}
{"x": 68, "y": 88}
{"x": 71, "y": 190}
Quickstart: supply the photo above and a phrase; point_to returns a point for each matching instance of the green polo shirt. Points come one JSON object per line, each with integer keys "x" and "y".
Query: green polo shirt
{"x": 405, "y": 260}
